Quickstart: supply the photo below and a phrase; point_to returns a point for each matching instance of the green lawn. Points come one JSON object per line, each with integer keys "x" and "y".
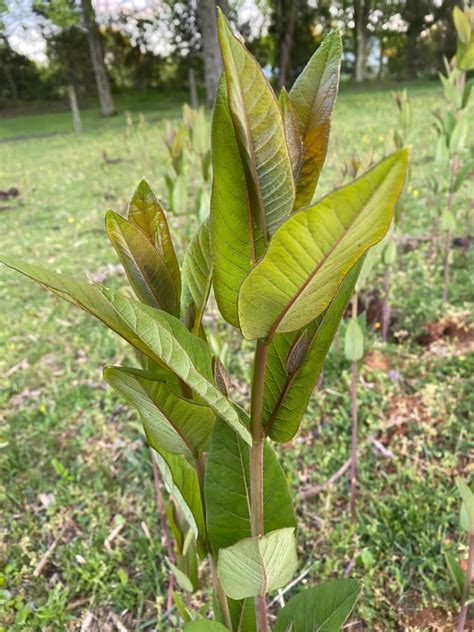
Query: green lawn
{"x": 73, "y": 462}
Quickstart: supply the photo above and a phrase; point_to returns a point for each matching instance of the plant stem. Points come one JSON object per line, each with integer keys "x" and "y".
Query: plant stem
{"x": 256, "y": 466}
{"x": 167, "y": 545}
{"x": 447, "y": 247}
{"x": 354, "y": 408}
{"x": 386, "y": 303}
{"x": 467, "y": 586}
{"x": 221, "y": 596}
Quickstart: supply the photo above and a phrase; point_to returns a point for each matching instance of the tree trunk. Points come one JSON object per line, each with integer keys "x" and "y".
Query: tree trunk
{"x": 361, "y": 15}
{"x": 210, "y": 48}
{"x": 97, "y": 57}
{"x": 289, "y": 20}
{"x": 76, "y": 115}
{"x": 355, "y": 424}
{"x": 193, "y": 95}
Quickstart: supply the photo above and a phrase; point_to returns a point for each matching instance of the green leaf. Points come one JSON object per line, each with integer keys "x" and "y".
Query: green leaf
{"x": 158, "y": 335}
{"x": 181, "y": 481}
{"x": 390, "y": 254}
{"x": 294, "y": 139}
{"x": 324, "y": 608}
{"x": 313, "y": 96}
{"x": 312, "y": 252}
{"x": 227, "y": 490}
{"x": 462, "y": 25}
{"x": 456, "y": 572}
{"x": 186, "y": 355}
{"x": 197, "y": 276}
{"x": 146, "y": 269}
{"x": 467, "y": 509}
{"x": 259, "y": 131}
{"x": 146, "y": 213}
{"x": 242, "y": 614}
{"x": 354, "y": 341}
{"x": 286, "y": 394}
{"x": 255, "y": 566}
{"x": 87, "y": 296}
{"x": 173, "y": 423}
{"x": 182, "y": 579}
{"x": 236, "y": 241}
{"x": 204, "y": 626}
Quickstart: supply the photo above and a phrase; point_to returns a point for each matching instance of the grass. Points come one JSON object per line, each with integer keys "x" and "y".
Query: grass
{"x": 74, "y": 467}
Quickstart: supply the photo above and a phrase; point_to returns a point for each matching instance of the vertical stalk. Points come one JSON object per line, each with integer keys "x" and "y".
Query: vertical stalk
{"x": 167, "y": 544}
{"x": 386, "y": 302}
{"x": 354, "y": 408}
{"x": 467, "y": 586}
{"x": 256, "y": 466}
{"x": 447, "y": 242}
{"x": 220, "y": 594}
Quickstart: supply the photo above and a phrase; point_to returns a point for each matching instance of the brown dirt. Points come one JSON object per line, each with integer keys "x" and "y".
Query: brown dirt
{"x": 451, "y": 335}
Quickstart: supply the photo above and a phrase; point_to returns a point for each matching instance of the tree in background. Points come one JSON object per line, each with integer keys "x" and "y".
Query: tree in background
{"x": 97, "y": 57}
{"x": 210, "y": 44}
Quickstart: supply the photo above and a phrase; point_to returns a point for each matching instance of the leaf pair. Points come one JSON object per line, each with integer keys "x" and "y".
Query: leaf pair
{"x": 265, "y": 162}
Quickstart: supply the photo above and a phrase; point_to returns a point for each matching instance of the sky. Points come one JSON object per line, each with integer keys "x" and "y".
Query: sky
{"x": 24, "y": 29}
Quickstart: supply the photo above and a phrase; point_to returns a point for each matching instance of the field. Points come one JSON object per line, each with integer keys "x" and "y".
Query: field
{"x": 75, "y": 470}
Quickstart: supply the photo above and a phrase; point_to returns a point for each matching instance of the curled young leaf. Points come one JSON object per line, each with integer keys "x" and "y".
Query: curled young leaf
{"x": 145, "y": 267}
{"x": 146, "y": 213}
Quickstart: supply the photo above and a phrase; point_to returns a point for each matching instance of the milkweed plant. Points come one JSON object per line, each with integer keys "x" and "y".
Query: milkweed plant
{"x": 282, "y": 269}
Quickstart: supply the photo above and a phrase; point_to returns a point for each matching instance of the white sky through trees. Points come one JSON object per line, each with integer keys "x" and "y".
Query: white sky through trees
{"x": 25, "y": 29}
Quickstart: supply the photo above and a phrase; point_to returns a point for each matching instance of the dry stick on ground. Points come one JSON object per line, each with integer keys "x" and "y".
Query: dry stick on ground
{"x": 354, "y": 408}
{"x": 467, "y": 586}
{"x": 164, "y": 523}
{"x": 44, "y": 560}
{"x": 315, "y": 490}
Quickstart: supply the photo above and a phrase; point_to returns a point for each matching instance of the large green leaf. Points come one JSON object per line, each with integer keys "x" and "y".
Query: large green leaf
{"x": 313, "y": 96}
{"x": 234, "y": 236}
{"x": 260, "y": 135}
{"x": 186, "y": 355}
{"x": 255, "y": 566}
{"x": 181, "y": 480}
{"x": 197, "y": 276}
{"x": 146, "y": 213}
{"x": 288, "y": 389}
{"x": 324, "y": 608}
{"x": 158, "y": 335}
{"x": 145, "y": 267}
{"x": 227, "y": 490}
{"x": 312, "y": 252}
{"x": 171, "y": 422}
{"x": 87, "y": 296}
